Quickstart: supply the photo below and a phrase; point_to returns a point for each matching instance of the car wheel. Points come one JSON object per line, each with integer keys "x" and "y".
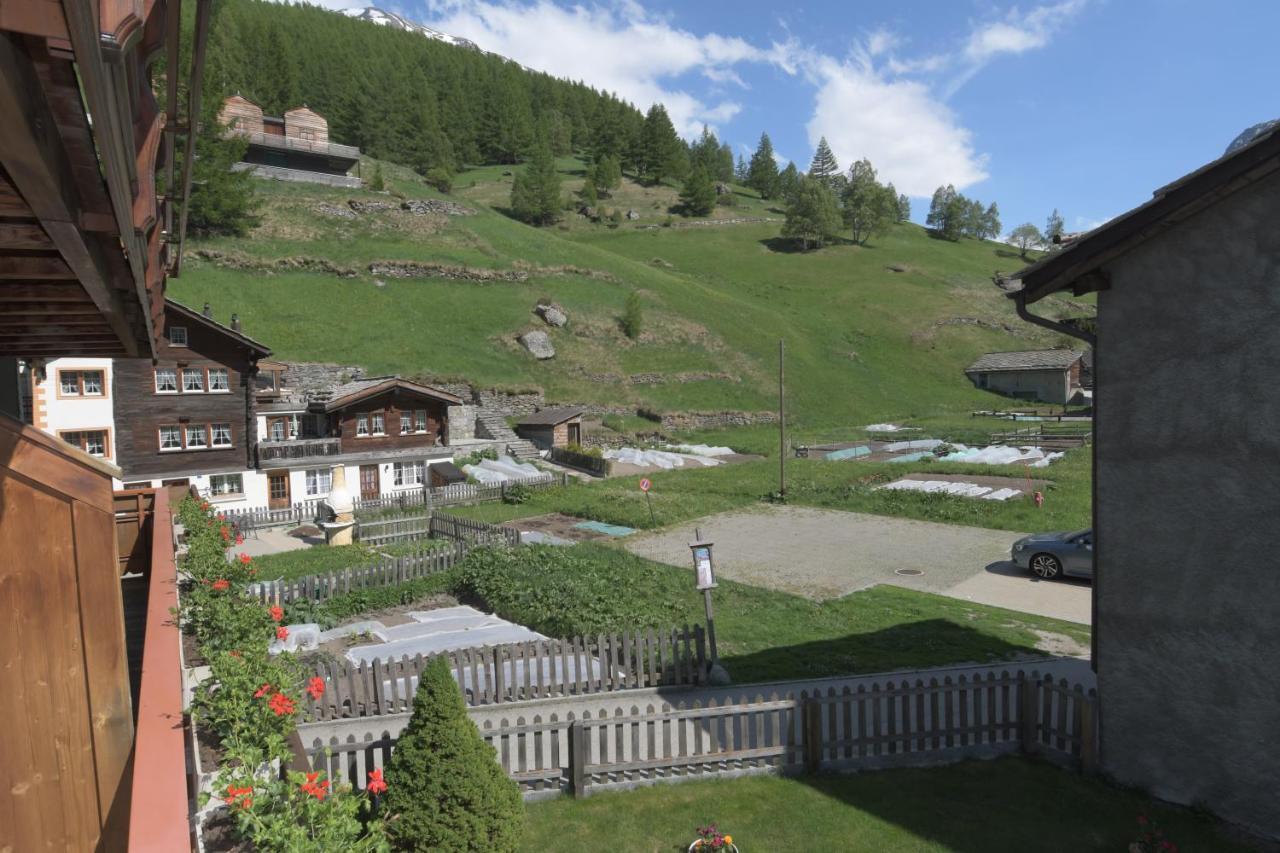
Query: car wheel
{"x": 1046, "y": 566}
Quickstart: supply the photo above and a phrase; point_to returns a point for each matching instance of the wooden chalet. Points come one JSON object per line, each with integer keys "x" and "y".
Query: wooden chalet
{"x": 294, "y": 147}
{"x": 92, "y": 751}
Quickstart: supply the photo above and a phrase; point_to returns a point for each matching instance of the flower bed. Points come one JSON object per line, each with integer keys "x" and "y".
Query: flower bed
{"x": 248, "y": 706}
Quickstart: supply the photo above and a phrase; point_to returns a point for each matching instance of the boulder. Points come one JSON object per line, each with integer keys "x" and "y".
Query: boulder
{"x": 724, "y": 189}
{"x": 632, "y": 214}
{"x": 538, "y": 344}
{"x": 552, "y": 315}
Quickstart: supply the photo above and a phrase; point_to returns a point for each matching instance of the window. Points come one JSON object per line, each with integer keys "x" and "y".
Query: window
{"x": 221, "y": 434}
{"x": 362, "y": 424}
{"x": 192, "y": 379}
{"x": 379, "y": 426}
{"x": 406, "y": 423}
{"x": 166, "y": 380}
{"x": 170, "y": 438}
{"x": 222, "y": 485}
{"x": 91, "y": 441}
{"x": 80, "y": 383}
{"x": 409, "y": 473}
{"x": 420, "y": 420}
{"x": 218, "y": 379}
{"x": 197, "y": 437}
{"x": 178, "y": 336}
{"x": 318, "y": 481}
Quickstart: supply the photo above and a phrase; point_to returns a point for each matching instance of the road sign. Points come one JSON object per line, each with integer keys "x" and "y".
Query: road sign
{"x": 645, "y": 484}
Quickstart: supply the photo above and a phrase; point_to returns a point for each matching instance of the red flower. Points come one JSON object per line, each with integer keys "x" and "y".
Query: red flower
{"x": 316, "y": 687}
{"x": 282, "y": 633}
{"x": 235, "y": 794}
{"x": 376, "y": 784}
{"x": 277, "y": 612}
{"x": 281, "y": 704}
{"x": 239, "y": 538}
{"x": 234, "y": 653}
{"x": 245, "y": 559}
{"x": 262, "y": 691}
{"x": 226, "y": 534}
{"x": 316, "y": 790}
{"x": 221, "y": 583}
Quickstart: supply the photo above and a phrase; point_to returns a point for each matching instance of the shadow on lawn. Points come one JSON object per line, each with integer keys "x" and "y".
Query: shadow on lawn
{"x": 907, "y": 645}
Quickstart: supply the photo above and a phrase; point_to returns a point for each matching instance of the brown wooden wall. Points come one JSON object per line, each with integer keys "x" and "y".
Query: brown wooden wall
{"x": 391, "y": 404}
{"x": 302, "y": 123}
{"x": 241, "y": 114}
{"x": 140, "y": 411}
{"x": 68, "y": 721}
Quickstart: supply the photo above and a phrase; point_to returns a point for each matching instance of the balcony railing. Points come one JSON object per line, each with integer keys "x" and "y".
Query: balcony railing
{"x": 301, "y": 448}
{"x": 292, "y": 143}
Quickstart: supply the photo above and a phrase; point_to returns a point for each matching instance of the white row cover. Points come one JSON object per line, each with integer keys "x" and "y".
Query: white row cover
{"x": 702, "y": 449}
{"x": 889, "y": 428}
{"x": 658, "y": 458}
{"x": 1001, "y": 455}
{"x": 918, "y": 444}
{"x": 947, "y": 487}
{"x": 492, "y": 471}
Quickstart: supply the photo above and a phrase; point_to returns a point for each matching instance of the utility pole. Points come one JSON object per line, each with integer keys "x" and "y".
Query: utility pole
{"x": 782, "y": 425}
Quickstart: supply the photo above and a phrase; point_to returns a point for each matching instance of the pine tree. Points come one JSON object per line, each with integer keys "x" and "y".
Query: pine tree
{"x": 632, "y": 320}
{"x": 535, "y": 193}
{"x": 222, "y": 200}
{"x": 762, "y": 173}
{"x": 824, "y": 166}
{"x": 698, "y": 196}
{"x": 812, "y": 215}
{"x": 904, "y": 208}
{"x": 869, "y": 208}
{"x": 788, "y": 181}
{"x": 606, "y": 174}
{"x": 742, "y": 172}
{"x": 444, "y": 785}
{"x": 724, "y": 164}
{"x": 661, "y": 149}
{"x": 377, "y": 183}
{"x": 1053, "y": 229}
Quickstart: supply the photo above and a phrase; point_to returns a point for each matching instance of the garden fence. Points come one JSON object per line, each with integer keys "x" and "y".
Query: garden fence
{"x": 624, "y": 745}
{"x": 385, "y": 532}
{"x": 469, "y": 530}
{"x": 595, "y": 465}
{"x": 520, "y": 671}
{"x": 1054, "y": 438}
{"x": 387, "y": 571}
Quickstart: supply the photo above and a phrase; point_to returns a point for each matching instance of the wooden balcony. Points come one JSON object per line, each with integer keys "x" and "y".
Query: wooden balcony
{"x": 290, "y": 143}
{"x": 298, "y": 449}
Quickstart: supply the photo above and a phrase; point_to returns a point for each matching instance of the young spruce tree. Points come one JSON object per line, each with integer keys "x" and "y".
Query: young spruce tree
{"x": 698, "y": 196}
{"x": 762, "y": 172}
{"x": 824, "y": 166}
{"x": 535, "y": 193}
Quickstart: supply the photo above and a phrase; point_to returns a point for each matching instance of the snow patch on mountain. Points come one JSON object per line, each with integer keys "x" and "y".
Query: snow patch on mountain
{"x": 375, "y": 15}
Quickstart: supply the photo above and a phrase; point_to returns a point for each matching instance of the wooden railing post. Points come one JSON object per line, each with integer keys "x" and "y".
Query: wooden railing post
{"x": 812, "y": 711}
{"x": 578, "y": 759}
{"x": 1088, "y": 732}
{"x": 1028, "y": 706}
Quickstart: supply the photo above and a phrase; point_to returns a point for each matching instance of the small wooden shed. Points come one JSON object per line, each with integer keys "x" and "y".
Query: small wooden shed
{"x": 306, "y": 125}
{"x": 445, "y": 474}
{"x": 241, "y": 114}
{"x": 552, "y": 427}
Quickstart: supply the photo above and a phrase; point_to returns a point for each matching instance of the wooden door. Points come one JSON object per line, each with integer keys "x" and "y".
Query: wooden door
{"x": 369, "y": 486}
{"x": 278, "y": 489}
{"x": 575, "y": 433}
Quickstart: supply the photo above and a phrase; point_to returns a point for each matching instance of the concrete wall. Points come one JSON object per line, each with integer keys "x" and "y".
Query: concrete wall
{"x": 1048, "y": 386}
{"x": 1187, "y": 445}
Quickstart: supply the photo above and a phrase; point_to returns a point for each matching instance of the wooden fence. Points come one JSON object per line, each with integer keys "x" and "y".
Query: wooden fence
{"x": 596, "y": 465}
{"x": 469, "y": 530}
{"x": 404, "y": 529}
{"x": 1054, "y": 438}
{"x": 511, "y": 673}
{"x": 625, "y": 745}
{"x": 387, "y": 571}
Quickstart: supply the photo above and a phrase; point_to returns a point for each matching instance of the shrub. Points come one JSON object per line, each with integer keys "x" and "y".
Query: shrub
{"x": 593, "y": 452}
{"x": 613, "y": 422}
{"x": 446, "y": 790}
{"x": 475, "y": 457}
{"x": 632, "y": 316}
{"x": 516, "y": 494}
{"x": 376, "y": 183}
{"x": 440, "y": 178}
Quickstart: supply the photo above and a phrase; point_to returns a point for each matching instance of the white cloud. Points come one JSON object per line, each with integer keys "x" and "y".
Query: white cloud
{"x": 911, "y": 138}
{"x": 1018, "y": 32}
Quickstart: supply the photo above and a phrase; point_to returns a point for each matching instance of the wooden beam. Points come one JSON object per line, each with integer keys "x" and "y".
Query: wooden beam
{"x": 36, "y": 160}
{"x": 51, "y": 322}
{"x": 41, "y": 267}
{"x": 65, "y": 310}
{"x": 23, "y": 235}
{"x": 11, "y": 201}
{"x": 41, "y": 18}
{"x": 43, "y": 291}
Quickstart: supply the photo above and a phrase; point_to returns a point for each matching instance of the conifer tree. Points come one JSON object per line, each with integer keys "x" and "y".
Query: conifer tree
{"x": 724, "y": 171}
{"x": 605, "y": 174}
{"x": 812, "y": 215}
{"x": 698, "y": 196}
{"x": 535, "y": 193}
{"x": 824, "y": 166}
{"x": 762, "y": 173}
{"x": 904, "y": 207}
{"x": 788, "y": 181}
{"x": 742, "y": 172}
{"x": 1053, "y": 228}
{"x": 660, "y": 147}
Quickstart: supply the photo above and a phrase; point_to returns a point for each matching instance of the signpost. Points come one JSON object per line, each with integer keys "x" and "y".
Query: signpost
{"x": 705, "y": 579}
{"x": 645, "y": 486}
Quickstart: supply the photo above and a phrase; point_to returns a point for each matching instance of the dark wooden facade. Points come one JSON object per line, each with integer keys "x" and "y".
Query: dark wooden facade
{"x": 142, "y": 411}
{"x": 391, "y": 405}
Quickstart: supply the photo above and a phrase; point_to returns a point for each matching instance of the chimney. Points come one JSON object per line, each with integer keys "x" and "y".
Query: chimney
{"x": 208, "y": 312}
{"x": 235, "y": 322}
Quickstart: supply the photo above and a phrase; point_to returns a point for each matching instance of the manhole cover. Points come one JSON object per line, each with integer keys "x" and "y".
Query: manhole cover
{"x": 908, "y": 572}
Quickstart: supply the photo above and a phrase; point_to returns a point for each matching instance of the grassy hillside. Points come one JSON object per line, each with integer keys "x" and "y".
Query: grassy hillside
{"x": 864, "y": 342}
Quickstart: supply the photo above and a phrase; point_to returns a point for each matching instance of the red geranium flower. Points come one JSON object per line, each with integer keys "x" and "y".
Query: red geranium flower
{"x": 262, "y": 691}
{"x": 277, "y": 612}
{"x": 316, "y": 790}
{"x": 221, "y": 583}
{"x": 245, "y": 559}
{"x": 376, "y": 784}
{"x": 281, "y": 704}
{"x": 316, "y": 687}
{"x": 282, "y": 633}
{"x": 239, "y": 538}
{"x": 234, "y": 653}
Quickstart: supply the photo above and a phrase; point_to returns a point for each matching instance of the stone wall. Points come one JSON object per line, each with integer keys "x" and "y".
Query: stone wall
{"x": 681, "y": 421}
{"x": 462, "y": 422}
{"x": 509, "y": 404}
{"x": 302, "y": 377}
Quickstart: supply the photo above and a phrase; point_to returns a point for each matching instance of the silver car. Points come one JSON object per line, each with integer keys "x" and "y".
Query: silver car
{"x": 1053, "y": 555}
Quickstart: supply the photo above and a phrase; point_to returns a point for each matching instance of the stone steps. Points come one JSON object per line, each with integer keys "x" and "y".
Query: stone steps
{"x": 493, "y": 425}
{"x": 523, "y": 450}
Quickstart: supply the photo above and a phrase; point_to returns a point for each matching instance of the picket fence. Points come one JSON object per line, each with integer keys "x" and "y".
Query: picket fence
{"x": 624, "y": 745}
{"x": 387, "y": 571}
{"x": 405, "y": 529}
{"x": 521, "y": 671}
{"x": 469, "y": 530}
{"x": 306, "y": 512}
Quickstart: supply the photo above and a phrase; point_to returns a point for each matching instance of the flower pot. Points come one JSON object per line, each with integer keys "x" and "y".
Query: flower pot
{"x": 697, "y": 847}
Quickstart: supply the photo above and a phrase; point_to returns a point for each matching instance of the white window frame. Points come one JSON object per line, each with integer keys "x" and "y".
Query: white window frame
{"x": 177, "y": 336}
{"x": 224, "y": 375}
{"x": 377, "y": 423}
{"x": 215, "y": 430}
{"x": 314, "y": 477}
{"x": 190, "y": 430}
{"x": 173, "y": 372}
{"x": 177, "y": 428}
{"x": 406, "y": 423}
{"x": 277, "y": 423}
{"x": 80, "y": 438}
{"x": 226, "y": 479}
{"x": 198, "y": 373}
{"x": 409, "y": 473}
{"x": 74, "y": 376}
{"x": 420, "y": 421}
{"x": 84, "y": 383}
{"x": 362, "y": 425}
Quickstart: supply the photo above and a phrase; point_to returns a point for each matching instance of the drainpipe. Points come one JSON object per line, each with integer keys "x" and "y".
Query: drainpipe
{"x": 1020, "y": 304}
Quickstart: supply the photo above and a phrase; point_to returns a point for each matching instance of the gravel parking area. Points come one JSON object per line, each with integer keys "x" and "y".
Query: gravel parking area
{"x": 829, "y": 553}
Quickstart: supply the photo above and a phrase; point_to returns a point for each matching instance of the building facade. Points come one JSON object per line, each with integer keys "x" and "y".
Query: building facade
{"x": 1187, "y": 353}
{"x": 292, "y": 147}
{"x": 552, "y": 427}
{"x": 1048, "y": 376}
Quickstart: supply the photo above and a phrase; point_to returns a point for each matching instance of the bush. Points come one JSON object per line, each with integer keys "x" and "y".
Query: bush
{"x": 376, "y": 183}
{"x": 475, "y": 457}
{"x": 632, "y": 316}
{"x": 594, "y": 452}
{"x": 445, "y": 788}
{"x": 440, "y": 178}
{"x": 516, "y": 494}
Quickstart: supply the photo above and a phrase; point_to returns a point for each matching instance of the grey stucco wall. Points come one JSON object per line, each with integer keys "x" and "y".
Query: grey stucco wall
{"x": 1049, "y": 386}
{"x": 1188, "y": 511}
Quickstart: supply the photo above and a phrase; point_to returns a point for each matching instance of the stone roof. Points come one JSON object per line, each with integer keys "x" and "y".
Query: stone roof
{"x": 551, "y": 417}
{"x": 356, "y": 389}
{"x": 1040, "y": 359}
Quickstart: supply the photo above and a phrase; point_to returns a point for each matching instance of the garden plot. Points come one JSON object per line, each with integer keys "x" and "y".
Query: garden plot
{"x": 489, "y": 472}
{"x": 967, "y": 486}
{"x": 559, "y": 529}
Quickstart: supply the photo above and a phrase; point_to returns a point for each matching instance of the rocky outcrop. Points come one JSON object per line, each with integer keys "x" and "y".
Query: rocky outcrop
{"x": 538, "y": 344}
{"x": 292, "y": 264}
{"x": 418, "y": 269}
{"x": 327, "y": 209}
{"x": 372, "y": 206}
{"x": 723, "y": 189}
{"x": 690, "y": 376}
{"x": 552, "y": 315}
{"x": 632, "y": 214}
{"x": 422, "y": 206}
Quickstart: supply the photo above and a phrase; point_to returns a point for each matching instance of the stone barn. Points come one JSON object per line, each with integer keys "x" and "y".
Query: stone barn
{"x": 1049, "y": 375}
{"x": 1185, "y": 488}
{"x": 552, "y": 427}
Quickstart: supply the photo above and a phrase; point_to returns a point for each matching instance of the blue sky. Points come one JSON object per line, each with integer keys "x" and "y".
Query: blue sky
{"x": 1083, "y": 105}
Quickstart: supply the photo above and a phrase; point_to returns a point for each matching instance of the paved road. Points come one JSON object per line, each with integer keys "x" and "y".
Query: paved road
{"x": 829, "y": 553}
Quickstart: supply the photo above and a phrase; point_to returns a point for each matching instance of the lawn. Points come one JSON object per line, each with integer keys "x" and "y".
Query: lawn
{"x": 319, "y": 559}
{"x": 1011, "y": 804}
